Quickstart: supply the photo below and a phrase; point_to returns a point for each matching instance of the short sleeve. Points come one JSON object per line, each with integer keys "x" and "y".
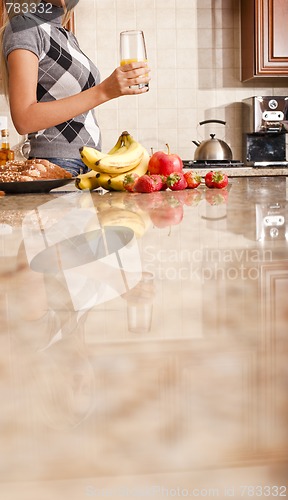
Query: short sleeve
{"x": 22, "y": 33}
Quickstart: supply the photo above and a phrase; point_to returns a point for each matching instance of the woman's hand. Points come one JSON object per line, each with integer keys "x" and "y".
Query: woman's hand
{"x": 123, "y": 80}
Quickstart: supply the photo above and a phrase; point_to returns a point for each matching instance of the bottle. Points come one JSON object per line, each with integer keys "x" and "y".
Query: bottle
{"x": 6, "y": 154}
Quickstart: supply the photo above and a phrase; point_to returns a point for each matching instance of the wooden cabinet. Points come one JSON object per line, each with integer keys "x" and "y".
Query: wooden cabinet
{"x": 264, "y": 38}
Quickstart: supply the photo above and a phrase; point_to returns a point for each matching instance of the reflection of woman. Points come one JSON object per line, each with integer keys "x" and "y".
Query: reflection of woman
{"x": 53, "y": 87}
{"x": 47, "y": 336}
{"x": 64, "y": 383}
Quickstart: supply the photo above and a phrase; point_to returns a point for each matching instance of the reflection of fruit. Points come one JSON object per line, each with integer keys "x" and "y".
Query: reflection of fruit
{"x": 192, "y": 196}
{"x": 166, "y": 216}
{"x": 169, "y": 213}
{"x": 176, "y": 181}
{"x": 154, "y": 200}
{"x": 165, "y": 163}
{"x": 216, "y": 179}
{"x": 215, "y": 197}
{"x": 193, "y": 179}
{"x": 139, "y": 223}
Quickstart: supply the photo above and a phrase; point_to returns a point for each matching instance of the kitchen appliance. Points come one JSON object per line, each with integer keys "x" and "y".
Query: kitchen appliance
{"x": 271, "y": 221}
{"x": 264, "y": 122}
{"x": 213, "y": 148}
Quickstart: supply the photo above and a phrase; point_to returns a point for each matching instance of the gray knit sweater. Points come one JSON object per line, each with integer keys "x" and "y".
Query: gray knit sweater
{"x": 63, "y": 71}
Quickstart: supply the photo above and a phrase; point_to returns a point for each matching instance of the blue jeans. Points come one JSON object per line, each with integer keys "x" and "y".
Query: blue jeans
{"x": 73, "y": 165}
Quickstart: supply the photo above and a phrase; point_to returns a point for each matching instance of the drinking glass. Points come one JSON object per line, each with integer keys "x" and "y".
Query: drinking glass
{"x": 133, "y": 49}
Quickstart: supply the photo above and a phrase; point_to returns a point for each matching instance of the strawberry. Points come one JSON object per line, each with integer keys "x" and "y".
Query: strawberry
{"x": 160, "y": 182}
{"x": 164, "y": 183}
{"x": 145, "y": 184}
{"x": 129, "y": 181}
{"x": 216, "y": 179}
{"x": 193, "y": 180}
{"x": 176, "y": 181}
{"x": 209, "y": 179}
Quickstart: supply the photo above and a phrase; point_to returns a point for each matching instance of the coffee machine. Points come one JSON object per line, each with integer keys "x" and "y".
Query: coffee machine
{"x": 264, "y": 126}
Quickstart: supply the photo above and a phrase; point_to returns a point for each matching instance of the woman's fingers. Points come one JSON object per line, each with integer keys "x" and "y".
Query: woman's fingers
{"x": 136, "y": 73}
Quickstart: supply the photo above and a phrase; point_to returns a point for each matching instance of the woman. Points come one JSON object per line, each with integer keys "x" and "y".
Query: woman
{"x": 53, "y": 87}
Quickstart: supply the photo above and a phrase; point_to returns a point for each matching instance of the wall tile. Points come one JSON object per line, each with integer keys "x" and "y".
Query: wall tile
{"x": 107, "y": 118}
{"x": 127, "y": 121}
{"x": 186, "y": 78}
{"x": 150, "y": 99}
{"x": 166, "y": 58}
{"x": 166, "y": 78}
{"x": 167, "y": 118}
{"x": 166, "y": 39}
{"x": 185, "y": 19}
{"x": 167, "y": 98}
{"x": 206, "y": 38}
{"x": 165, "y": 18}
{"x": 187, "y": 98}
{"x": 147, "y": 118}
{"x": 204, "y": 18}
{"x": 186, "y": 39}
{"x": 186, "y": 58}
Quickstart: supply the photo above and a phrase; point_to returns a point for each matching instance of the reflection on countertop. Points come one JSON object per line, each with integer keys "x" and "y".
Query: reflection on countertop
{"x": 144, "y": 343}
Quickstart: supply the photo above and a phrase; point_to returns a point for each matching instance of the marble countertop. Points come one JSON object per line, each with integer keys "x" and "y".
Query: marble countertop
{"x": 143, "y": 345}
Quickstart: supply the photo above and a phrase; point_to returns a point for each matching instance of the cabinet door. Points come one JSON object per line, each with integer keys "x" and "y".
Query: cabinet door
{"x": 272, "y": 37}
{"x": 264, "y": 38}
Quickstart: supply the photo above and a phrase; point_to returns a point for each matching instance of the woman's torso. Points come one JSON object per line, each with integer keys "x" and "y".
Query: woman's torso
{"x": 63, "y": 71}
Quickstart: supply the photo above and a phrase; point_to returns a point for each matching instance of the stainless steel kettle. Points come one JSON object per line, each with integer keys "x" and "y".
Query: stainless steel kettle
{"x": 213, "y": 148}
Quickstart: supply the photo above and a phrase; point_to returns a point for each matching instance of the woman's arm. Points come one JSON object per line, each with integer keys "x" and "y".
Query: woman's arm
{"x": 28, "y": 115}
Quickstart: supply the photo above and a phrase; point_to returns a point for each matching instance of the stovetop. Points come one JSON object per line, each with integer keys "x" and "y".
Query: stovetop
{"x": 212, "y": 163}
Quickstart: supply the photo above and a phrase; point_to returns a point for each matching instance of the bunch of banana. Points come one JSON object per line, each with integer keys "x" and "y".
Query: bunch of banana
{"x": 88, "y": 180}
{"x": 116, "y": 183}
{"x": 109, "y": 169}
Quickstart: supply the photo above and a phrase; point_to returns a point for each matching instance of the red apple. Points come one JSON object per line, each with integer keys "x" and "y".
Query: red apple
{"x": 165, "y": 163}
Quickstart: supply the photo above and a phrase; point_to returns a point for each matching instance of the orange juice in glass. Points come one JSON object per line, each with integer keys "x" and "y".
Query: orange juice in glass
{"x": 133, "y": 49}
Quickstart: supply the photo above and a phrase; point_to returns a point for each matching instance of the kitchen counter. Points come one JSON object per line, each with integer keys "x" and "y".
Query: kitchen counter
{"x": 144, "y": 343}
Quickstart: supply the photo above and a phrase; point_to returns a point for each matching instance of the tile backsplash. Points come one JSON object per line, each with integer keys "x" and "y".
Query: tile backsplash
{"x": 194, "y": 53}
